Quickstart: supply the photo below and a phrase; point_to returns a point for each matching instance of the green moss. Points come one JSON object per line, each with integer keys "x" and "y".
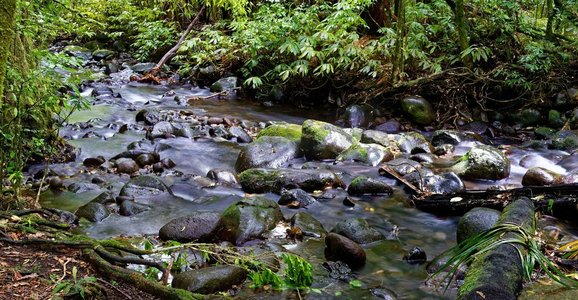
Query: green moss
{"x": 289, "y": 131}
{"x": 6, "y": 32}
{"x": 316, "y": 129}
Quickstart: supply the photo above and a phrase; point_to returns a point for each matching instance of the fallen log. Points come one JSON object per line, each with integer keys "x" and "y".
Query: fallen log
{"x": 498, "y": 273}
{"x": 557, "y": 200}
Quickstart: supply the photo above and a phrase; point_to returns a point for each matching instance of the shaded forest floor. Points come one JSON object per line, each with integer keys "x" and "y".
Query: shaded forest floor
{"x": 28, "y": 272}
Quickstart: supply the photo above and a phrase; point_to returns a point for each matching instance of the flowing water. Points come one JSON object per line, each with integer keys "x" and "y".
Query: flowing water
{"x": 96, "y": 132}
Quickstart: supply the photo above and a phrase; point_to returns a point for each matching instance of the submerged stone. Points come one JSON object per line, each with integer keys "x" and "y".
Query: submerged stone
{"x": 340, "y": 248}
{"x": 358, "y": 230}
{"x": 364, "y": 185}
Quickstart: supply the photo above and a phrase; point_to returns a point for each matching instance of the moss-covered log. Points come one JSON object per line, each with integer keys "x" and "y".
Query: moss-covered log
{"x": 498, "y": 274}
{"x": 7, "y": 11}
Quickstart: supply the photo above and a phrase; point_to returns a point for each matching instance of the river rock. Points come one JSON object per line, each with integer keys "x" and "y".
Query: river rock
{"x": 222, "y": 176}
{"x": 143, "y": 67}
{"x": 80, "y": 187}
{"x": 390, "y": 126}
{"x": 240, "y": 134}
{"x": 79, "y": 52}
{"x": 133, "y": 154}
{"x": 401, "y": 166}
{"x": 364, "y": 185}
{"x": 444, "y": 184}
{"x": 565, "y": 140}
{"x": 441, "y": 137}
{"x": 166, "y": 129}
{"x": 126, "y": 165}
{"x": 538, "y": 176}
{"x": 419, "y": 110}
{"x": 371, "y": 154}
{"x": 415, "y": 256}
{"x": 225, "y": 84}
{"x": 476, "y": 221}
{"x": 144, "y": 185}
{"x": 274, "y": 180}
{"x": 93, "y": 162}
{"x": 102, "y": 53}
{"x": 322, "y": 140}
{"x": 356, "y": 116}
{"x": 248, "y": 219}
{"x": 356, "y": 133}
{"x": 210, "y": 279}
{"x": 358, "y": 230}
{"x": 528, "y": 117}
{"x": 377, "y": 137}
{"x": 483, "y": 162}
{"x": 308, "y": 225}
{"x": 286, "y": 130}
{"x": 131, "y": 208}
{"x": 266, "y": 152}
{"x": 146, "y": 159}
{"x": 195, "y": 227}
{"x": 296, "y": 198}
{"x": 340, "y": 248}
{"x": 92, "y": 211}
{"x": 413, "y": 142}
{"x": 148, "y": 116}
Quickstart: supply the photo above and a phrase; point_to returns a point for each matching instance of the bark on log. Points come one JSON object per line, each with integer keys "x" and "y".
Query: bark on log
{"x": 498, "y": 274}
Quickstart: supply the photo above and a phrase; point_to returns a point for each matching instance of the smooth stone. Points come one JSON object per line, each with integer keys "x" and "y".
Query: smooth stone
{"x": 266, "y": 152}
{"x": 262, "y": 180}
{"x": 322, "y": 140}
{"x": 356, "y": 116}
{"x": 358, "y": 230}
{"x": 144, "y": 185}
{"x": 415, "y": 256}
{"x": 361, "y": 185}
{"x": 222, "y": 176}
{"x": 148, "y": 116}
{"x": 240, "y": 134}
{"x": 80, "y": 187}
{"x": 225, "y": 84}
{"x": 390, "y": 126}
{"x": 538, "y": 176}
{"x": 102, "y": 53}
{"x": 55, "y": 183}
{"x": 104, "y": 198}
{"x": 401, "y": 166}
{"x": 413, "y": 142}
{"x": 419, "y": 110}
{"x": 308, "y": 225}
{"x": 444, "y": 184}
{"x": 475, "y": 221}
{"x": 377, "y": 137}
{"x": 371, "y": 154}
{"x": 93, "y": 211}
{"x": 126, "y": 165}
{"x": 483, "y": 162}
{"x": 131, "y": 208}
{"x": 93, "y": 162}
{"x": 248, "y": 219}
{"x": 441, "y": 137}
{"x": 196, "y": 227}
{"x": 340, "y": 248}
{"x": 210, "y": 279}
{"x": 143, "y": 67}
{"x": 146, "y": 159}
{"x": 286, "y": 130}
{"x": 299, "y": 196}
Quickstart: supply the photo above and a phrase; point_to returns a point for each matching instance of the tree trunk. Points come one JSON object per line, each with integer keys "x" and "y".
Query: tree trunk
{"x": 7, "y": 12}
{"x": 398, "y": 59}
{"x": 462, "y": 30}
{"x": 379, "y": 15}
{"x": 549, "y": 24}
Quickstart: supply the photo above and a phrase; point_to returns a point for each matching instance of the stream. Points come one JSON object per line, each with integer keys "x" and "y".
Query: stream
{"x": 114, "y": 107}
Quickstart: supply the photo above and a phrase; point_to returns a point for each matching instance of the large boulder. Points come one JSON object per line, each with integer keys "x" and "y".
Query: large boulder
{"x": 210, "y": 279}
{"x": 225, "y": 84}
{"x": 93, "y": 211}
{"x": 340, "y": 248}
{"x": 371, "y": 154}
{"x": 418, "y": 109}
{"x": 266, "y": 152}
{"x": 475, "y": 221}
{"x": 483, "y": 162}
{"x": 144, "y": 185}
{"x": 358, "y": 230}
{"x": 286, "y": 130}
{"x": 196, "y": 227}
{"x": 248, "y": 219}
{"x": 262, "y": 180}
{"x": 322, "y": 140}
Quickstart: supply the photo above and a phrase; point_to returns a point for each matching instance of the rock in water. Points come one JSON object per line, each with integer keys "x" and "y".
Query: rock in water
{"x": 476, "y": 221}
{"x": 210, "y": 280}
{"x": 322, "y": 140}
{"x": 371, "y": 154}
{"x": 340, "y": 248}
{"x": 262, "y": 180}
{"x": 419, "y": 109}
{"x": 93, "y": 211}
{"x": 196, "y": 227}
{"x": 266, "y": 152}
{"x": 363, "y": 185}
{"x": 248, "y": 219}
{"x": 286, "y": 130}
{"x": 358, "y": 230}
{"x": 145, "y": 185}
{"x": 538, "y": 176}
{"x": 358, "y": 116}
{"x": 483, "y": 162}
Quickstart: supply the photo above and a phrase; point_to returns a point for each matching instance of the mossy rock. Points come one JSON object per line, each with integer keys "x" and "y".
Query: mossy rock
{"x": 483, "y": 162}
{"x": 103, "y": 53}
{"x": 361, "y": 185}
{"x": 565, "y": 140}
{"x": 261, "y": 180}
{"x": 266, "y": 152}
{"x": 418, "y": 109}
{"x": 359, "y": 231}
{"x": 93, "y": 211}
{"x": 371, "y": 154}
{"x": 308, "y": 225}
{"x": 286, "y": 130}
{"x": 322, "y": 140}
{"x": 248, "y": 219}
{"x": 210, "y": 279}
